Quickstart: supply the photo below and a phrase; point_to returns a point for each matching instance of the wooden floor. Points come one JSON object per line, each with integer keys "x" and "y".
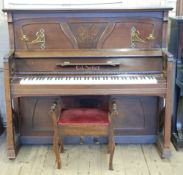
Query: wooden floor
{"x": 90, "y": 160}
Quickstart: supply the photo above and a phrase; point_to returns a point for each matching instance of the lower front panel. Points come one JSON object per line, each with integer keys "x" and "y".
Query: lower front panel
{"x": 136, "y": 122}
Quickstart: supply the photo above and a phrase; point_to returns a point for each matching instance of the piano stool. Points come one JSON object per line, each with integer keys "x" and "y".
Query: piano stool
{"x": 82, "y": 121}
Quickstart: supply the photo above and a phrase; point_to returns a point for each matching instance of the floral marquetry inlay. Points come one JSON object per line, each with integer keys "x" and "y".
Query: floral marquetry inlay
{"x": 87, "y": 35}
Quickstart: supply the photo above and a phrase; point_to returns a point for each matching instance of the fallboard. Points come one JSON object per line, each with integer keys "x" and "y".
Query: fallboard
{"x": 87, "y": 65}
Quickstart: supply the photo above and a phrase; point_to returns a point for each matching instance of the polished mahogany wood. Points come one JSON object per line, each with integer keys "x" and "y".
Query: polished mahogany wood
{"x": 44, "y": 30}
{"x": 141, "y": 119}
{"x": 11, "y": 146}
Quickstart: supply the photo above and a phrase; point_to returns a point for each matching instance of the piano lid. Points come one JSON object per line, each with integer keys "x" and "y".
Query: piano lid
{"x": 80, "y": 4}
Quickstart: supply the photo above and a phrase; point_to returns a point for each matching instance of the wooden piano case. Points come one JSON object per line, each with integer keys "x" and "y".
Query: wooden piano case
{"x": 41, "y": 38}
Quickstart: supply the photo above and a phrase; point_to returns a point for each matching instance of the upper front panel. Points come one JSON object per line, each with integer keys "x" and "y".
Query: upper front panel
{"x": 93, "y": 30}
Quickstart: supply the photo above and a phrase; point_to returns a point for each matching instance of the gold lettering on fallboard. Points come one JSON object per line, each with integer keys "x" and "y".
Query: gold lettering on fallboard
{"x": 87, "y": 68}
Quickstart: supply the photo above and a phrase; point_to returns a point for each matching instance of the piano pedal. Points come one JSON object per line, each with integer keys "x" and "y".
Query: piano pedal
{"x": 96, "y": 141}
{"x": 81, "y": 140}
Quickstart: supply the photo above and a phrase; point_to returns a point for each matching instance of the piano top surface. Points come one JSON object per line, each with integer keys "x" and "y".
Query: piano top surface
{"x": 103, "y": 6}
{"x": 93, "y": 9}
{"x": 82, "y": 5}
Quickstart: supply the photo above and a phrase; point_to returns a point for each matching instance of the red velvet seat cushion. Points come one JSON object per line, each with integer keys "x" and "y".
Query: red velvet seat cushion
{"x": 83, "y": 116}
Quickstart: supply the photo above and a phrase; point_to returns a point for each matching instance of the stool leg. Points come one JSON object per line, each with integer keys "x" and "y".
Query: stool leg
{"x": 56, "y": 150}
{"x": 111, "y": 156}
{"x": 55, "y": 134}
{"x": 61, "y": 143}
{"x": 111, "y": 147}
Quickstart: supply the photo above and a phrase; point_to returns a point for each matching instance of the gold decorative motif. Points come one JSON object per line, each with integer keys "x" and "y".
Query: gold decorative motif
{"x": 39, "y": 39}
{"x": 136, "y": 37}
{"x": 23, "y": 37}
{"x": 151, "y": 36}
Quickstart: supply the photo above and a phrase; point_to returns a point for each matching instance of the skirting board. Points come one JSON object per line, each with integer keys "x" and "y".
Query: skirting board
{"x": 140, "y": 139}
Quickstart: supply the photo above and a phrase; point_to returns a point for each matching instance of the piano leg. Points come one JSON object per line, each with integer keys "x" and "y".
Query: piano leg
{"x": 164, "y": 142}
{"x": 11, "y": 149}
{"x": 11, "y": 146}
{"x": 12, "y": 128}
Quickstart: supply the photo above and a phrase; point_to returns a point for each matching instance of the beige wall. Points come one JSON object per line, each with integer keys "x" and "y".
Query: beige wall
{"x": 3, "y": 50}
{"x": 4, "y": 43}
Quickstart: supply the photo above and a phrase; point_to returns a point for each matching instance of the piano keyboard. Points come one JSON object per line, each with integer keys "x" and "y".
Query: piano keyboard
{"x": 88, "y": 80}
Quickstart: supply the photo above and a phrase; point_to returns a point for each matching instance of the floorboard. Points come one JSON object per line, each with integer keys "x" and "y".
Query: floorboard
{"x": 131, "y": 159}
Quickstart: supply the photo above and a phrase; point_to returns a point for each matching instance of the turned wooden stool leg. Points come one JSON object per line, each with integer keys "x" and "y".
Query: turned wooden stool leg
{"x": 55, "y": 135}
{"x": 111, "y": 148}
{"x": 111, "y": 156}
{"x": 61, "y": 143}
{"x": 111, "y": 145}
{"x": 56, "y": 149}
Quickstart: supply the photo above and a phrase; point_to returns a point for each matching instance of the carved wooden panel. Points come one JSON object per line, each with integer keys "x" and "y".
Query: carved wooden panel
{"x": 88, "y": 33}
{"x": 137, "y": 115}
{"x": 121, "y": 35}
{"x": 26, "y": 35}
{"x": 34, "y": 115}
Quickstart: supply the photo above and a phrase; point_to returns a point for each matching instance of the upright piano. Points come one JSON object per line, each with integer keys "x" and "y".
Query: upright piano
{"x": 83, "y": 55}
{"x": 176, "y": 48}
